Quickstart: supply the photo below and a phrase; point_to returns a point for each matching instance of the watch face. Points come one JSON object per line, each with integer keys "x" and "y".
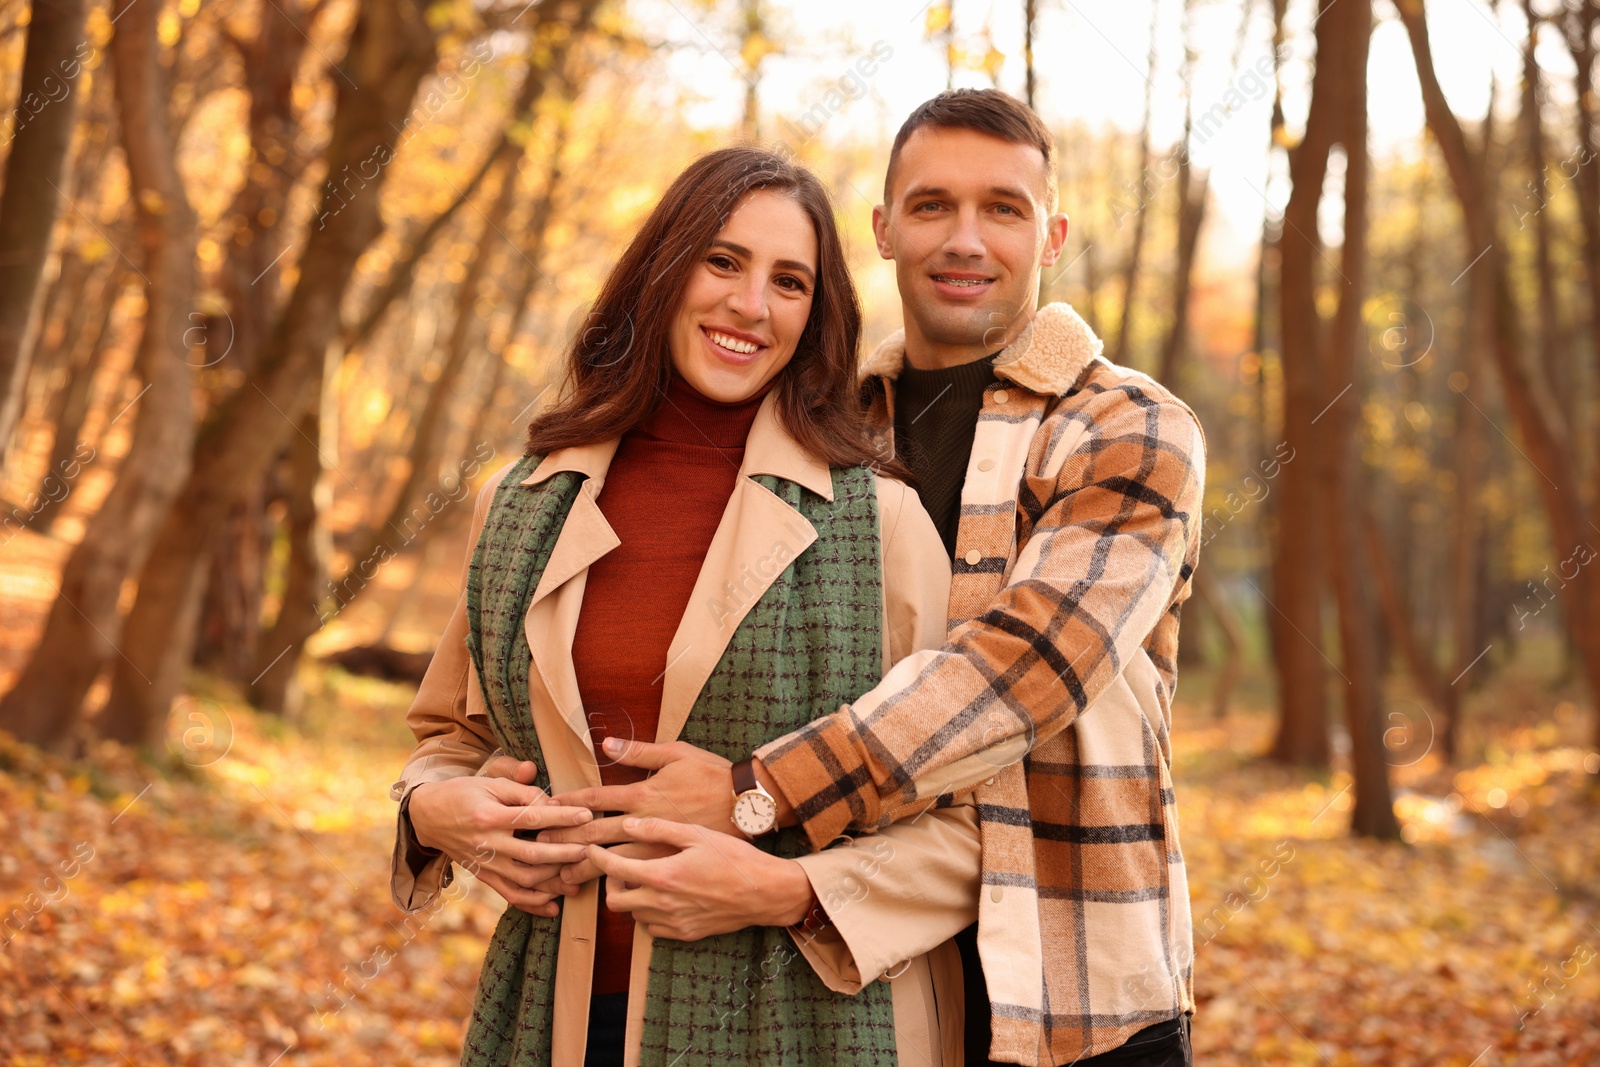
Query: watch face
{"x": 754, "y": 813}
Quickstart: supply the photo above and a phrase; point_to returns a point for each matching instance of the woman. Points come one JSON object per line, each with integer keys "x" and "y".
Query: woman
{"x": 694, "y": 549}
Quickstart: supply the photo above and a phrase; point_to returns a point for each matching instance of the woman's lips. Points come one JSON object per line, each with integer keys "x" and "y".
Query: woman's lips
{"x": 732, "y": 355}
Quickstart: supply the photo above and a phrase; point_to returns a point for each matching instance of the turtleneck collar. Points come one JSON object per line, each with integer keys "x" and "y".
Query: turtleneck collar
{"x": 687, "y": 417}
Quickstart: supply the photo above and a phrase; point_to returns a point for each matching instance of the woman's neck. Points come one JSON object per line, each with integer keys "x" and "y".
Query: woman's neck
{"x": 686, "y": 416}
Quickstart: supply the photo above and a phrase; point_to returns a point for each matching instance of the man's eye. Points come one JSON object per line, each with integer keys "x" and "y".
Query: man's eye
{"x": 1007, "y": 209}
{"x": 930, "y": 205}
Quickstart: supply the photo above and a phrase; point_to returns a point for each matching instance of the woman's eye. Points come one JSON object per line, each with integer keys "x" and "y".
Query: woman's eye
{"x": 720, "y": 262}
{"x": 794, "y": 285}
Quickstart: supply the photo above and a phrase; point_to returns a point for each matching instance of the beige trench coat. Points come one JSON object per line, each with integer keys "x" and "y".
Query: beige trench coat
{"x": 895, "y": 898}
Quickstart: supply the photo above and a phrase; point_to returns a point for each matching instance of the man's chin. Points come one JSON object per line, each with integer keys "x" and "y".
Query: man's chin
{"x": 985, "y": 327}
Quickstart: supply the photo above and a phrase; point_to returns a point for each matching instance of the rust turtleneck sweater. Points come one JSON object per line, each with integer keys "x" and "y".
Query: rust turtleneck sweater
{"x": 664, "y": 495}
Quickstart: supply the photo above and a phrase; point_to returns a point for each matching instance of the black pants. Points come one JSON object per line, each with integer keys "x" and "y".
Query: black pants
{"x": 608, "y": 1029}
{"x": 1165, "y": 1044}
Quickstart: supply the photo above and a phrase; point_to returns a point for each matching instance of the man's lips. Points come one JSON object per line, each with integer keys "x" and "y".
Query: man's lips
{"x": 960, "y": 284}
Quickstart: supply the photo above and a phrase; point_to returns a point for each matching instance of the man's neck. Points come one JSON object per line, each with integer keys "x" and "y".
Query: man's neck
{"x": 923, "y": 354}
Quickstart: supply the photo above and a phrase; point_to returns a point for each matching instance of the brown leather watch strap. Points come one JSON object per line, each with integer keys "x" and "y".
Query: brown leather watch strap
{"x": 744, "y": 776}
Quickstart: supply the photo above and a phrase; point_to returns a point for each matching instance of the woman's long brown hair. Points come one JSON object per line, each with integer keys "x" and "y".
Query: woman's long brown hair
{"x": 619, "y": 363}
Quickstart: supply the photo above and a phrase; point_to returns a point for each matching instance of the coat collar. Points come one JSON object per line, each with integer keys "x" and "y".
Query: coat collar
{"x": 1048, "y": 357}
{"x": 770, "y": 449}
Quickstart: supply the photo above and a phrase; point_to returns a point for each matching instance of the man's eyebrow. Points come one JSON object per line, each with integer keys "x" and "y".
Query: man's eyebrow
{"x": 786, "y": 264}
{"x": 1010, "y": 192}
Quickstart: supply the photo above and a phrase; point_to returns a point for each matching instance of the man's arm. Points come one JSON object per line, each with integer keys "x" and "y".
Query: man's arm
{"x": 1111, "y": 554}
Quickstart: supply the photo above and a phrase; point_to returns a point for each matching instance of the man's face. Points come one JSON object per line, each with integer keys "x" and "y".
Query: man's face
{"x": 968, "y": 226}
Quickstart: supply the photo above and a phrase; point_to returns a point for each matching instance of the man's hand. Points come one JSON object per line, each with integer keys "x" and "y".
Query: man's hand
{"x": 473, "y": 820}
{"x": 690, "y": 785}
{"x": 711, "y": 884}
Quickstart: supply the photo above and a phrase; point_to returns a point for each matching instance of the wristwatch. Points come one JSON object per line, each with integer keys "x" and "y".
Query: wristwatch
{"x": 754, "y": 811}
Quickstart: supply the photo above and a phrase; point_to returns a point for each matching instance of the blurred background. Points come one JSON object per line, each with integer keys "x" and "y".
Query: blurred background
{"x": 282, "y": 281}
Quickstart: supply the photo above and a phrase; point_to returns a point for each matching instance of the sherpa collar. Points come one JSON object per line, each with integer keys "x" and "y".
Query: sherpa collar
{"x": 1048, "y": 357}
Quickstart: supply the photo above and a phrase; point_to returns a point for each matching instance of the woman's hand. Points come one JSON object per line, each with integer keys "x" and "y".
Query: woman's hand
{"x": 711, "y": 884}
{"x": 473, "y": 820}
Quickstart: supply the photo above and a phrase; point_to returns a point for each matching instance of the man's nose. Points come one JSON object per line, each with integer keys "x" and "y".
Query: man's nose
{"x": 965, "y": 238}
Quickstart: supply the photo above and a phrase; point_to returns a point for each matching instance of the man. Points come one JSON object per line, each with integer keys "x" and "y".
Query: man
{"x": 1068, "y": 493}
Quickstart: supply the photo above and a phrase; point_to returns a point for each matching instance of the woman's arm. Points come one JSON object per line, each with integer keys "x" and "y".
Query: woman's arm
{"x": 454, "y": 805}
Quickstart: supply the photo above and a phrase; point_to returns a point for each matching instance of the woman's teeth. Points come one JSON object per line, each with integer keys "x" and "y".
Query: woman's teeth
{"x": 733, "y": 344}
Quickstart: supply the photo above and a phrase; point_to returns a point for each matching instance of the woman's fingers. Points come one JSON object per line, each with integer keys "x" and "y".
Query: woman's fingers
{"x": 521, "y": 771}
{"x": 536, "y": 854}
{"x": 520, "y": 897}
{"x": 545, "y": 814}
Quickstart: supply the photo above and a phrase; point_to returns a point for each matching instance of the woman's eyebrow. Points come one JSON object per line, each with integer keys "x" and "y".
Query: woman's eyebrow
{"x": 786, "y": 264}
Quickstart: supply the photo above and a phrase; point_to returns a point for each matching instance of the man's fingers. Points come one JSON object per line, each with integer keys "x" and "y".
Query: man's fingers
{"x": 521, "y": 771}
{"x": 641, "y": 753}
{"x": 585, "y": 871}
{"x": 664, "y": 832}
{"x": 600, "y": 798}
{"x": 640, "y": 872}
{"x": 606, "y": 831}
{"x": 578, "y": 873}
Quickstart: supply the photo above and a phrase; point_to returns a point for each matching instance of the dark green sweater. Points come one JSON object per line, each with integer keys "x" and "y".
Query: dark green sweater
{"x": 935, "y": 418}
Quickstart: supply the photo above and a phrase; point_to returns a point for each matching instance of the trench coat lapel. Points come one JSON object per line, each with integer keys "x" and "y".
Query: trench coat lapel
{"x": 758, "y": 536}
{"x": 552, "y": 615}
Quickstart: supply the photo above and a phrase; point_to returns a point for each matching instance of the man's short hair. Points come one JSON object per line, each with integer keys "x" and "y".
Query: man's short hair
{"x": 988, "y": 111}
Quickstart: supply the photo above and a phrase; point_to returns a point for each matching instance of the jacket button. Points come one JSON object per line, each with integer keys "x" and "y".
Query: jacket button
{"x": 1001, "y": 396}
{"x": 996, "y": 893}
{"x": 973, "y": 557}
{"x": 986, "y": 464}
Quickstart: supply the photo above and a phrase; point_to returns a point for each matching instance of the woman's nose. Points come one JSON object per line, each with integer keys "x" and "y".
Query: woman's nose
{"x": 748, "y": 299}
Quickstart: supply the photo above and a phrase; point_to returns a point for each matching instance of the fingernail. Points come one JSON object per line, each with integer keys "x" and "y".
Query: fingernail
{"x": 583, "y": 816}
{"x": 630, "y": 824}
{"x": 612, "y": 745}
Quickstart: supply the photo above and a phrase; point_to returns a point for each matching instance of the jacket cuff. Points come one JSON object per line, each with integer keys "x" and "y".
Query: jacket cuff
{"x": 835, "y": 965}
{"x": 825, "y": 778}
{"x": 417, "y": 874}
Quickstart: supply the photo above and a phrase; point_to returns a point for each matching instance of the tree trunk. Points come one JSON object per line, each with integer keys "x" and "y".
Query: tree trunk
{"x": 1546, "y": 438}
{"x": 35, "y": 170}
{"x": 68, "y": 445}
{"x": 1555, "y": 371}
{"x": 84, "y": 626}
{"x": 1300, "y": 543}
{"x": 1143, "y": 192}
{"x": 1030, "y": 19}
{"x": 391, "y": 48}
{"x": 1349, "y": 29}
{"x": 272, "y": 687}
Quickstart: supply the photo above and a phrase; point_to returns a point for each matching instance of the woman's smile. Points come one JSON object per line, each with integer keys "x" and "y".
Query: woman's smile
{"x": 747, "y": 302}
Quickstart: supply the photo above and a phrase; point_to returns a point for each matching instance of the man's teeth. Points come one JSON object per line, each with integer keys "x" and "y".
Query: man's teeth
{"x": 732, "y": 343}
{"x": 966, "y": 282}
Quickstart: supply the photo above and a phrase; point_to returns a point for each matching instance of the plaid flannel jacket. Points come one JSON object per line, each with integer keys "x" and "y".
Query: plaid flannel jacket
{"x": 1078, "y": 537}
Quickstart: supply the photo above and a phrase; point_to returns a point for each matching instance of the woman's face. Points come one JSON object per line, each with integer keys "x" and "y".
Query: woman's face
{"x": 747, "y": 300}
